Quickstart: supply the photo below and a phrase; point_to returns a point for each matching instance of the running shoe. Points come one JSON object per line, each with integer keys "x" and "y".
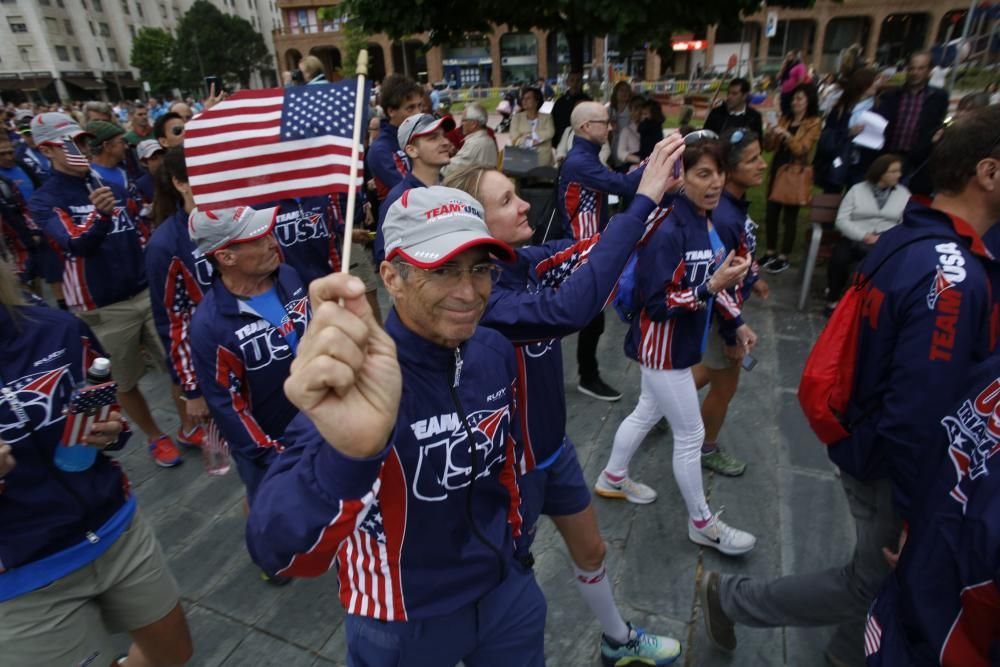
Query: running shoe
{"x": 274, "y": 580}
{"x": 642, "y": 648}
{"x": 722, "y": 463}
{"x": 193, "y": 438}
{"x": 766, "y": 260}
{"x": 721, "y": 536}
{"x": 164, "y": 452}
{"x": 778, "y": 265}
{"x": 626, "y": 489}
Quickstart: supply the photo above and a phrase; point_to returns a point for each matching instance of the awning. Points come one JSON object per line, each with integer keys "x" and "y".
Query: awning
{"x": 87, "y": 83}
{"x": 32, "y": 82}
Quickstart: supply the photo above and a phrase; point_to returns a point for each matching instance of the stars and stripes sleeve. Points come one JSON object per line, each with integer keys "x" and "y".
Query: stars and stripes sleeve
{"x": 173, "y": 306}
{"x": 592, "y": 174}
{"x": 577, "y": 281}
{"x": 665, "y": 285}
{"x": 311, "y": 500}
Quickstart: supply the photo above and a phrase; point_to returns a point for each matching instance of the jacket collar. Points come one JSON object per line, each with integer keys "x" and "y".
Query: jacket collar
{"x": 415, "y": 350}
{"x": 585, "y": 145}
{"x": 917, "y": 214}
{"x": 387, "y": 129}
{"x": 231, "y": 305}
{"x": 684, "y": 212}
{"x": 742, "y": 203}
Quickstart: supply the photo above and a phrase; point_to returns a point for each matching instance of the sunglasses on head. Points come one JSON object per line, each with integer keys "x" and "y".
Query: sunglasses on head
{"x": 698, "y": 136}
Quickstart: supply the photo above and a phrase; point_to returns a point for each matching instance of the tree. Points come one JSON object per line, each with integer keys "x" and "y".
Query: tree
{"x": 210, "y": 43}
{"x": 152, "y": 55}
{"x": 636, "y": 22}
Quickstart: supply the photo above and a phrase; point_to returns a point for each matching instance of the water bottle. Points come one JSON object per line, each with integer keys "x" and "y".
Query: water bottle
{"x": 78, "y": 456}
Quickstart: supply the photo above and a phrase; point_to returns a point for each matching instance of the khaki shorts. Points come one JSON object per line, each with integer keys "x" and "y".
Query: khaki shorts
{"x": 363, "y": 266}
{"x": 124, "y": 329}
{"x": 71, "y": 620}
{"x": 715, "y": 350}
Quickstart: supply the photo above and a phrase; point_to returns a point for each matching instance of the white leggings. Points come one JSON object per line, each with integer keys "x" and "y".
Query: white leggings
{"x": 671, "y": 394}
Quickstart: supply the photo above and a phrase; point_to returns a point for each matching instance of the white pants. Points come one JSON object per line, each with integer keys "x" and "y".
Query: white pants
{"x": 671, "y": 394}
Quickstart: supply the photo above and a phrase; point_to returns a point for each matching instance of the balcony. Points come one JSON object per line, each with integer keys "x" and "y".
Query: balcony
{"x": 306, "y": 4}
{"x": 310, "y": 29}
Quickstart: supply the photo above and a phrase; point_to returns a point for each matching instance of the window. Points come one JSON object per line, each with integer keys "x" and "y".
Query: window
{"x": 125, "y": 7}
{"x": 105, "y": 30}
{"x": 69, "y": 26}
{"x": 76, "y": 53}
{"x": 84, "y": 3}
{"x": 62, "y": 53}
{"x": 45, "y": 3}
{"x": 138, "y": 8}
{"x": 163, "y": 10}
{"x": 113, "y": 54}
{"x": 131, "y": 29}
{"x": 100, "y": 54}
{"x": 98, "y": 5}
{"x": 51, "y": 25}
{"x": 17, "y": 24}
{"x": 61, "y": 4}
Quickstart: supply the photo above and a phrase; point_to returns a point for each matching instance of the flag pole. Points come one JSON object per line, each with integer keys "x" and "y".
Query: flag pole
{"x": 362, "y": 71}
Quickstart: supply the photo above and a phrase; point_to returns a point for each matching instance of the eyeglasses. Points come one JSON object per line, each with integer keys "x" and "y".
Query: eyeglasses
{"x": 606, "y": 121}
{"x": 698, "y": 136}
{"x": 450, "y": 275}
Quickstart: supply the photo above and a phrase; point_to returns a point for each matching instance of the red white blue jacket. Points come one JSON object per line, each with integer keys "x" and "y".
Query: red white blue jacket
{"x": 241, "y": 361}
{"x": 738, "y": 233}
{"x": 551, "y": 291}
{"x": 942, "y": 603}
{"x": 102, "y": 254}
{"x": 179, "y": 275}
{"x": 396, "y": 525}
{"x": 306, "y": 229}
{"x": 584, "y": 186}
{"x": 929, "y": 316}
{"x": 672, "y": 272}
{"x": 20, "y": 233}
{"x": 386, "y": 161}
{"x": 44, "y": 354}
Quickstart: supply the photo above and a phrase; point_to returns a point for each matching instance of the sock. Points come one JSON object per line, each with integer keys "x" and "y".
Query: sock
{"x": 700, "y": 523}
{"x": 614, "y": 478}
{"x": 596, "y": 591}
{"x": 709, "y": 447}
{"x": 62, "y": 304}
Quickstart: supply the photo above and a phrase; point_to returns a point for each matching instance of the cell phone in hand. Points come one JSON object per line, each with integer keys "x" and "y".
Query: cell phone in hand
{"x": 210, "y": 81}
{"x": 94, "y": 181}
{"x": 749, "y": 362}
{"x": 772, "y": 118}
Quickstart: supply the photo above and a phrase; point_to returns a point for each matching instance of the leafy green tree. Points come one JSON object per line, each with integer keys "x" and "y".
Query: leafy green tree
{"x": 152, "y": 54}
{"x": 636, "y": 22}
{"x": 210, "y": 43}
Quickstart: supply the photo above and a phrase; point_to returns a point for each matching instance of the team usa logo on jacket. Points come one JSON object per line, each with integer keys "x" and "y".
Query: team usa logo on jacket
{"x": 297, "y": 227}
{"x": 973, "y": 437}
{"x": 28, "y": 403}
{"x": 444, "y": 464}
{"x": 261, "y": 342}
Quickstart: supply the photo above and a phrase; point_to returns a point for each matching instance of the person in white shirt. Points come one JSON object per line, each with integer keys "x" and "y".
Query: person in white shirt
{"x": 479, "y": 148}
{"x": 869, "y": 209}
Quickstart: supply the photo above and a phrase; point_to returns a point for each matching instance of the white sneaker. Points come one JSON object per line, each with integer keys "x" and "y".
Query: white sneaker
{"x": 627, "y": 489}
{"x": 721, "y": 536}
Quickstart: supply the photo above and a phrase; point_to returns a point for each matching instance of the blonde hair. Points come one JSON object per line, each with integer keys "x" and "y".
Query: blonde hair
{"x": 312, "y": 66}
{"x": 468, "y": 180}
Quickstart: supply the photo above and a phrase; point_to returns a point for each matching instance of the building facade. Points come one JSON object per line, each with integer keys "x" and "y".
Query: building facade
{"x": 79, "y": 49}
{"x": 887, "y": 29}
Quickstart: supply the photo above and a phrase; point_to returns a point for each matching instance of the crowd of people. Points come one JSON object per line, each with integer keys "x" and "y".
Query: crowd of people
{"x": 414, "y": 453}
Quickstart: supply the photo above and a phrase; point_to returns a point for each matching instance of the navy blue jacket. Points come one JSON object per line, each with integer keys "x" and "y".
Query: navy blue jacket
{"x": 179, "y": 275}
{"x": 396, "y": 524}
{"x": 241, "y": 361}
{"x": 551, "y": 291}
{"x": 39, "y": 165}
{"x": 20, "y": 233}
{"x": 103, "y": 260}
{"x": 387, "y": 162}
{"x": 738, "y": 233}
{"x": 672, "y": 272}
{"x": 929, "y": 316}
{"x": 408, "y": 181}
{"x": 584, "y": 186}
{"x": 44, "y": 355}
{"x": 306, "y": 230}
{"x": 941, "y": 605}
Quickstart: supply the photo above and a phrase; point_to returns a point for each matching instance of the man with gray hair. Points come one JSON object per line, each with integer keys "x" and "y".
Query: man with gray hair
{"x": 584, "y": 186}
{"x": 479, "y": 149}
{"x": 95, "y": 110}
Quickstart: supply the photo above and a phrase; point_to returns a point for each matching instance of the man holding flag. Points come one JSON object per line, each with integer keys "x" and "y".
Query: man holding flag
{"x": 104, "y": 275}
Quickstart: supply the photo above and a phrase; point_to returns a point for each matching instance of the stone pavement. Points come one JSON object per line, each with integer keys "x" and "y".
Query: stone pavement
{"x": 789, "y": 497}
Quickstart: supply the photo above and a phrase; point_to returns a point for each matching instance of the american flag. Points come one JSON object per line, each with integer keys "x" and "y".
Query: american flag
{"x": 263, "y": 145}
{"x": 74, "y": 157}
{"x": 583, "y": 208}
{"x": 873, "y": 635}
{"x": 215, "y": 451}
{"x": 89, "y": 405}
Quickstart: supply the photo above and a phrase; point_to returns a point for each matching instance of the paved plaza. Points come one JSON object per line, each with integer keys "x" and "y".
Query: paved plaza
{"x": 789, "y": 497}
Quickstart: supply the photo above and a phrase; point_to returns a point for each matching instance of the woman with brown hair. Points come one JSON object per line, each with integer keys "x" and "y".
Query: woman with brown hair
{"x": 792, "y": 141}
{"x": 529, "y": 128}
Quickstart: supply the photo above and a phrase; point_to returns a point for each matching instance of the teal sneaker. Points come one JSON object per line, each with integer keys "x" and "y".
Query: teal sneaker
{"x": 722, "y": 463}
{"x": 641, "y": 648}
